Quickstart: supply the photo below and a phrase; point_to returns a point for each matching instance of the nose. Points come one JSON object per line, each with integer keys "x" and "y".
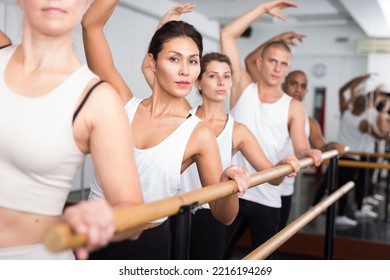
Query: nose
{"x": 184, "y": 71}
{"x": 221, "y": 81}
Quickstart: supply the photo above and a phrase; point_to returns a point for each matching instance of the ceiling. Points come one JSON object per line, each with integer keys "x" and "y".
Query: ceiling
{"x": 373, "y": 16}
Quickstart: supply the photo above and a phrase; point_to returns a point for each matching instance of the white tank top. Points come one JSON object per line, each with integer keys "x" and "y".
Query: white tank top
{"x": 158, "y": 167}
{"x": 349, "y": 133}
{"x": 190, "y": 177}
{"x": 367, "y": 143}
{"x": 269, "y": 123}
{"x": 287, "y": 185}
{"x": 38, "y": 154}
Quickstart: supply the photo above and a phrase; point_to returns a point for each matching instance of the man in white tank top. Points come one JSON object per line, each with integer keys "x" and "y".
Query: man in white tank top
{"x": 272, "y": 116}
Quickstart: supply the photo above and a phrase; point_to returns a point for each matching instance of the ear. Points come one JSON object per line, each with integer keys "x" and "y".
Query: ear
{"x": 152, "y": 62}
{"x": 259, "y": 62}
{"x": 197, "y": 84}
{"x": 284, "y": 85}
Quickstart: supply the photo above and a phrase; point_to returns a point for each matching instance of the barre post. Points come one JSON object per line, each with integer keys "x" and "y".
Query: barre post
{"x": 181, "y": 233}
{"x": 330, "y": 214}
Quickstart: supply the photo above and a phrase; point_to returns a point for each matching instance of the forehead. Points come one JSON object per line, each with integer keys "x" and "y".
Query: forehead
{"x": 182, "y": 45}
{"x": 298, "y": 77}
{"x": 215, "y": 65}
{"x": 277, "y": 52}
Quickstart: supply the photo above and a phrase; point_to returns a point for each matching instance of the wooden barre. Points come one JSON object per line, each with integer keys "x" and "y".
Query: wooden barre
{"x": 268, "y": 247}
{"x": 363, "y": 164}
{"x": 377, "y": 155}
{"x": 62, "y": 237}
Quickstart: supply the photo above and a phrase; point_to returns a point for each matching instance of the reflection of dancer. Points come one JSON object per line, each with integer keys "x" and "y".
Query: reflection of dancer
{"x": 272, "y": 116}
{"x": 58, "y": 104}
{"x": 167, "y": 138}
{"x": 214, "y": 84}
{"x": 354, "y": 128}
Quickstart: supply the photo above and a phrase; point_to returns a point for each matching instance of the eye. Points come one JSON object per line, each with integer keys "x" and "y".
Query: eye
{"x": 211, "y": 76}
{"x": 284, "y": 64}
{"x": 194, "y": 61}
{"x": 174, "y": 59}
{"x": 227, "y": 77}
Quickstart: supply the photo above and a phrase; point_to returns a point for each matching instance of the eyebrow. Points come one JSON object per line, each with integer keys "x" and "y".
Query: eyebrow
{"x": 179, "y": 53}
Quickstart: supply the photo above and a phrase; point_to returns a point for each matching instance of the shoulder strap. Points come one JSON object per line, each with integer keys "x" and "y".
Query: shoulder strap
{"x": 3, "y": 47}
{"x": 85, "y": 100}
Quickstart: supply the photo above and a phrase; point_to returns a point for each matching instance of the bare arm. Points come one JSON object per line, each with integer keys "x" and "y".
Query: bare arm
{"x": 317, "y": 139}
{"x": 114, "y": 164}
{"x": 97, "y": 49}
{"x": 173, "y": 14}
{"x": 228, "y": 40}
{"x": 208, "y": 161}
{"x": 245, "y": 141}
{"x": 296, "y": 127}
{"x": 4, "y": 39}
{"x": 352, "y": 85}
{"x": 251, "y": 59}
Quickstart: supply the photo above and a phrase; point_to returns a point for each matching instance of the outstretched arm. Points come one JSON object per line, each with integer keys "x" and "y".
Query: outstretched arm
{"x": 296, "y": 127}
{"x": 97, "y": 49}
{"x": 251, "y": 59}
{"x": 317, "y": 139}
{"x": 231, "y": 32}
{"x": 352, "y": 85}
{"x": 245, "y": 142}
{"x": 173, "y": 14}
{"x": 4, "y": 39}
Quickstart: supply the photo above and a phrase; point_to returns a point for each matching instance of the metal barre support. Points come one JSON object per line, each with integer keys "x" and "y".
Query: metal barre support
{"x": 330, "y": 214}
{"x": 181, "y": 233}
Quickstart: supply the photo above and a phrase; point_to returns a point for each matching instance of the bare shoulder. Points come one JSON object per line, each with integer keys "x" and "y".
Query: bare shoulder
{"x": 202, "y": 134}
{"x": 103, "y": 99}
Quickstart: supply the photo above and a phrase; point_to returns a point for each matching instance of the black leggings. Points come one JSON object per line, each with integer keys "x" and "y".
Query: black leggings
{"x": 263, "y": 223}
{"x": 207, "y": 236}
{"x": 285, "y": 211}
{"x": 153, "y": 244}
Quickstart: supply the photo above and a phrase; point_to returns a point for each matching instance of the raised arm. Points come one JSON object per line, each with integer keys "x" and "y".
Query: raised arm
{"x": 251, "y": 59}
{"x": 231, "y": 32}
{"x": 4, "y": 39}
{"x": 351, "y": 85}
{"x": 173, "y": 14}
{"x": 97, "y": 49}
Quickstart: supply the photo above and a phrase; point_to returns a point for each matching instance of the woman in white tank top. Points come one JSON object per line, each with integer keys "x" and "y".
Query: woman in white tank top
{"x": 214, "y": 84}
{"x": 44, "y": 139}
{"x": 172, "y": 67}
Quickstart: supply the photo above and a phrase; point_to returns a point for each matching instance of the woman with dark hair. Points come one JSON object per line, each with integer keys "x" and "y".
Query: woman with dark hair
{"x": 167, "y": 138}
{"x": 214, "y": 84}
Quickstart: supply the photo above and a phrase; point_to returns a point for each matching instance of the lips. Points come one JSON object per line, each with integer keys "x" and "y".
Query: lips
{"x": 53, "y": 10}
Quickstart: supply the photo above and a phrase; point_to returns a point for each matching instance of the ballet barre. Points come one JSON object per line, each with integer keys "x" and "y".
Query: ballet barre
{"x": 62, "y": 237}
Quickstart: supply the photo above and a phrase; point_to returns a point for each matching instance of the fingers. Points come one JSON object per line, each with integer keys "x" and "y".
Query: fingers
{"x": 239, "y": 174}
{"x": 93, "y": 218}
{"x": 294, "y": 162}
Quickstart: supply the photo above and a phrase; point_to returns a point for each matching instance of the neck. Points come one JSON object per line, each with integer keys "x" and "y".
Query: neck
{"x": 211, "y": 110}
{"x": 38, "y": 51}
